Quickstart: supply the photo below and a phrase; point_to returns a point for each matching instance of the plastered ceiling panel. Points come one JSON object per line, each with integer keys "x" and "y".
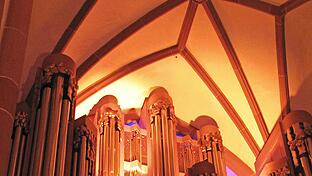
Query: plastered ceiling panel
{"x": 299, "y": 56}
{"x": 206, "y": 47}
{"x": 158, "y": 35}
{"x": 191, "y": 98}
{"x": 252, "y": 34}
{"x": 106, "y": 19}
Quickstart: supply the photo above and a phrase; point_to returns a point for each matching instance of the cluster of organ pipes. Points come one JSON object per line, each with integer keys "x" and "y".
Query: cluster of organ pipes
{"x": 211, "y": 147}
{"x": 110, "y": 134}
{"x": 84, "y": 145}
{"x": 163, "y": 136}
{"x": 47, "y": 134}
{"x": 298, "y": 132}
{"x": 135, "y": 138}
{"x": 109, "y": 141}
{"x": 52, "y": 108}
{"x": 188, "y": 152}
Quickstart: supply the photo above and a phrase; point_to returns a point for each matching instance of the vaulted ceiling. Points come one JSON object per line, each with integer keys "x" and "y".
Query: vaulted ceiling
{"x": 219, "y": 58}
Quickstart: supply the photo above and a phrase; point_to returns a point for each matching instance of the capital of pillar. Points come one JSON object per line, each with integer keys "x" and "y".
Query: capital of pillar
{"x": 59, "y": 64}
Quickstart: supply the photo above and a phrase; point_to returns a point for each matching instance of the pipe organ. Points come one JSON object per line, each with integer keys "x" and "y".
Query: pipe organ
{"x": 109, "y": 141}
{"x": 135, "y": 161}
{"x": 188, "y": 152}
{"x": 101, "y": 143}
{"x": 211, "y": 147}
{"x": 110, "y": 135}
{"x": 160, "y": 119}
{"x": 20, "y": 133}
{"x": 288, "y": 149}
{"x": 297, "y": 128}
{"x": 84, "y": 147}
{"x": 52, "y": 109}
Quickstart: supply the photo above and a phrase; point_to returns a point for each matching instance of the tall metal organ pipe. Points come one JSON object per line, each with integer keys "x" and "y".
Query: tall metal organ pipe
{"x": 51, "y": 110}
{"x": 110, "y": 133}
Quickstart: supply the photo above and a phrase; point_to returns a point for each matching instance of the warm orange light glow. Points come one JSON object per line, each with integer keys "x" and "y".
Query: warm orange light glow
{"x": 134, "y": 166}
{"x": 167, "y": 26}
{"x": 256, "y": 48}
{"x": 299, "y": 58}
{"x": 129, "y": 94}
{"x": 191, "y": 98}
{"x": 201, "y": 43}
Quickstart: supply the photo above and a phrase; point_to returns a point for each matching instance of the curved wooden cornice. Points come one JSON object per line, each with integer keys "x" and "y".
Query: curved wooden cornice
{"x": 73, "y": 26}
{"x": 225, "y": 103}
{"x": 124, "y": 70}
{"x": 115, "y": 41}
{"x": 259, "y": 5}
{"x": 236, "y": 65}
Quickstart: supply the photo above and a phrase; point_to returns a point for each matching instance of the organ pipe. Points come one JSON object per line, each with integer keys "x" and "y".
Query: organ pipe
{"x": 84, "y": 152}
{"x": 42, "y": 128}
{"x": 54, "y": 123}
{"x": 211, "y": 147}
{"x": 52, "y": 109}
{"x": 110, "y": 128}
{"x": 188, "y": 153}
{"x": 20, "y": 132}
{"x": 62, "y": 141}
{"x": 163, "y": 139}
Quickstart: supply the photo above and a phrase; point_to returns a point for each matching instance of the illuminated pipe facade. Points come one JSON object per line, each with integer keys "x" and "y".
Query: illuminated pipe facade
{"x": 84, "y": 153}
{"x": 135, "y": 150}
{"x": 161, "y": 127}
{"x": 59, "y": 89}
{"x": 212, "y": 148}
{"x": 188, "y": 153}
{"x": 51, "y": 103}
{"x": 110, "y": 135}
{"x": 19, "y": 137}
{"x": 297, "y": 127}
{"x": 47, "y": 140}
{"x": 101, "y": 143}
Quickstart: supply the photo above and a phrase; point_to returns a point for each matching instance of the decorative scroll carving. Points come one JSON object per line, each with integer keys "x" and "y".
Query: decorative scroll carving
{"x": 79, "y": 132}
{"x": 284, "y": 171}
{"x": 211, "y": 145}
{"x": 297, "y": 142}
{"x": 212, "y": 137}
{"x": 58, "y": 68}
{"x": 62, "y": 68}
{"x": 156, "y": 108}
{"x": 22, "y": 120}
